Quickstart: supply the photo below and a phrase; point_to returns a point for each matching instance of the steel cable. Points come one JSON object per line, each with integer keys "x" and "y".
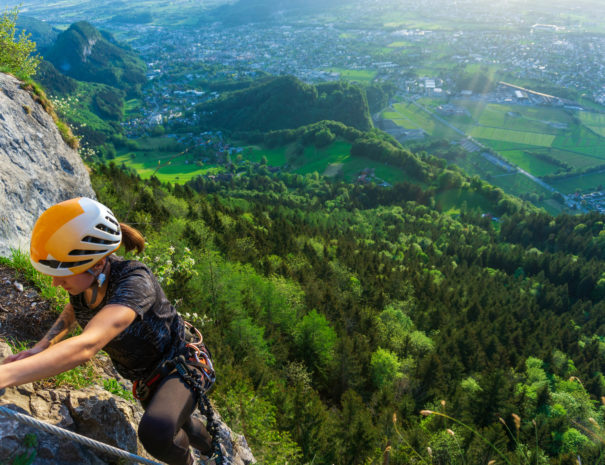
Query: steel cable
{"x": 66, "y": 434}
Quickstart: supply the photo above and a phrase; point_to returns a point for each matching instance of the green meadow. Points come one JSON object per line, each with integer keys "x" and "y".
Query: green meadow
{"x": 132, "y": 108}
{"x": 476, "y": 164}
{"x": 593, "y": 121}
{"x": 424, "y": 120}
{"x": 314, "y": 159}
{"x": 552, "y": 206}
{"x": 354, "y": 165}
{"x": 333, "y": 160}
{"x": 581, "y": 140}
{"x": 528, "y": 162}
{"x": 517, "y": 137}
{"x": 519, "y": 184}
{"x": 155, "y": 158}
{"x": 582, "y": 183}
{"x": 506, "y": 116}
{"x": 363, "y": 76}
{"x": 400, "y": 120}
{"x": 579, "y": 161}
{"x": 275, "y": 157}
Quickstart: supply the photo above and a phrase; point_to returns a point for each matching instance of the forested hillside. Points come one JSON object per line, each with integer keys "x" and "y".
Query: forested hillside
{"x": 42, "y": 33}
{"x": 84, "y": 53}
{"x": 337, "y": 313}
{"x": 286, "y": 103}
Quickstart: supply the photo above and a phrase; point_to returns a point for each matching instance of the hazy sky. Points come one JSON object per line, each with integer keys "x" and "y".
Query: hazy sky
{"x": 590, "y": 10}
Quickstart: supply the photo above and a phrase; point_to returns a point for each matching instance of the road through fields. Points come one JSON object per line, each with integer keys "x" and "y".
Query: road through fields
{"x": 491, "y": 158}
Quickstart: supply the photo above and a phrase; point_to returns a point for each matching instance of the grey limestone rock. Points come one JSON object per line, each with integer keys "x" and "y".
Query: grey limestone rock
{"x": 37, "y": 168}
{"x": 91, "y": 412}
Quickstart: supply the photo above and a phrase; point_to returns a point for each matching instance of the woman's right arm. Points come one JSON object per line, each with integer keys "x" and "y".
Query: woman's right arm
{"x": 61, "y": 327}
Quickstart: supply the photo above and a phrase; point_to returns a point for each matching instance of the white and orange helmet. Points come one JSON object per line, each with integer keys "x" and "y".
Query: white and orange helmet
{"x": 71, "y": 236}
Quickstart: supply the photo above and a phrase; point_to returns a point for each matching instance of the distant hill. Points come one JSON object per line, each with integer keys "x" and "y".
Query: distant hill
{"x": 252, "y": 11}
{"x": 53, "y": 81}
{"x": 84, "y": 53}
{"x": 286, "y": 103}
{"x": 43, "y": 34}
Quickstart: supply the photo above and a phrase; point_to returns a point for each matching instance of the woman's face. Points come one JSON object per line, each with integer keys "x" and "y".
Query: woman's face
{"x": 75, "y": 284}
{"x": 78, "y": 283}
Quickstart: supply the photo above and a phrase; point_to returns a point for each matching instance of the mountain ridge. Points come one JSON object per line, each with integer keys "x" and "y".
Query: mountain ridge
{"x": 87, "y": 54}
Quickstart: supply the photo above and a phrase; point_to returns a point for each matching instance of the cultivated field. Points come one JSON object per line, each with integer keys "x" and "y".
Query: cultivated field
{"x": 543, "y": 141}
{"x": 516, "y": 137}
{"x": 363, "y": 76}
{"x": 581, "y": 183}
{"x": 594, "y": 122}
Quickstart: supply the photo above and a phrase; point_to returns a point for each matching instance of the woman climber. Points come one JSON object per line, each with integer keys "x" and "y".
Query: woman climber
{"x": 122, "y": 310}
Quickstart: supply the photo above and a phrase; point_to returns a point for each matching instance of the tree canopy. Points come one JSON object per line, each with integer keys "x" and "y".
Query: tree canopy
{"x": 337, "y": 306}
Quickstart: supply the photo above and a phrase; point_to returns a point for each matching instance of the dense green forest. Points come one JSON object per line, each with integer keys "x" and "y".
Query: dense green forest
{"x": 336, "y": 313}
{"x": 286, "y": 103}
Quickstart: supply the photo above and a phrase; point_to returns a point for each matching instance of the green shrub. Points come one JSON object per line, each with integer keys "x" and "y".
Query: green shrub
{"x": 116, "y": 388}
{"x": 16, "y": 54}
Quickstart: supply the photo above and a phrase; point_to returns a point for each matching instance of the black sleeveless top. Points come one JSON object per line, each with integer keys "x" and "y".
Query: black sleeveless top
{"x": 156, "y": 334}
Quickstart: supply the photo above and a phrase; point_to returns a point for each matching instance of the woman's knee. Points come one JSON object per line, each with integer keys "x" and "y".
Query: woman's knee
{"x": 156, "y": 433}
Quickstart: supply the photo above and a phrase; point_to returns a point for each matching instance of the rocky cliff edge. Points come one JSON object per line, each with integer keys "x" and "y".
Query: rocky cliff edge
{"x": 37, "y": 168}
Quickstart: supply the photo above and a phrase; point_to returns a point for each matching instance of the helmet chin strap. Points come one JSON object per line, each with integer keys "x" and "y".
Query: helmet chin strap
{"x": 98, "y": 282}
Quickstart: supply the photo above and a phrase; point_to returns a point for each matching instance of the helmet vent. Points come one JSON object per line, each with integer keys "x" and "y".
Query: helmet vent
{"x": 104, "y": 228}
{"x": 96, "y": 240}
{"x": 58, "y": 265}
{"x": 111, "y": 220}
{"x": 86, "y": 252}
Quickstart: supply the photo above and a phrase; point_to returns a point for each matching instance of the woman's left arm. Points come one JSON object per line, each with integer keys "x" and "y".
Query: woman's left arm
{"x": 65, "y": 355}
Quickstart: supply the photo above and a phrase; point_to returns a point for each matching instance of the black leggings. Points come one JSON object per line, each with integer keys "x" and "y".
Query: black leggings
{"x": 167, "y": 428}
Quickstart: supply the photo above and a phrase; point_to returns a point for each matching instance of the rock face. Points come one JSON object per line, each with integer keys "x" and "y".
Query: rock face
{"x": 86, "y": 54}
{"x": 92, "y": 412}
{"x": 37, "y": 168}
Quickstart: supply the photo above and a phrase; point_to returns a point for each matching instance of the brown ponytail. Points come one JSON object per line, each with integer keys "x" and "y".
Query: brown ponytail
{"x": 132, "y": 238}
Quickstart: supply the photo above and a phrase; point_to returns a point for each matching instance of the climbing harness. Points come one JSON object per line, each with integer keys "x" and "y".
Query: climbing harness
{"x": 198, "y": 357}
{"x": 66, "y": 434}
{"x": 197, "y": 372}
